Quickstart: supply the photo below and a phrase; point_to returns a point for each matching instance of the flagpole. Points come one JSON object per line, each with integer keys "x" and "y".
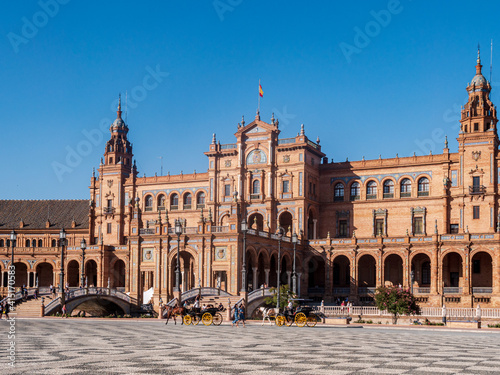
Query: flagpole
{"x": 258, "y": 106}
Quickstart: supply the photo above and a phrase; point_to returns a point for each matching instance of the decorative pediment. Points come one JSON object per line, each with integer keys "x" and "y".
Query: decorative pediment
{"x": 476, "y": 171}
{"x": 418, "y": 210}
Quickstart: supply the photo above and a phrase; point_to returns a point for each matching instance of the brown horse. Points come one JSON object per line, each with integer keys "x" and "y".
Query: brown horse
{"x": 172, "y": 312}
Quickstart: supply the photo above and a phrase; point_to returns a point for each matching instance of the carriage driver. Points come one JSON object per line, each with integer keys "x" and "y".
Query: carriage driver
{"x": 196, "y": 305}
{"x": 289, "y": 307}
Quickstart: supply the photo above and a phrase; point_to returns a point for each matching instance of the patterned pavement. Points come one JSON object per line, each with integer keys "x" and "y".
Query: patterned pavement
{"x": 91, "y": 346}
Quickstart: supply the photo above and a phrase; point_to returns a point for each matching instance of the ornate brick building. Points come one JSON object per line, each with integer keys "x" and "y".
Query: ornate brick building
{"x": 426, "y": 222}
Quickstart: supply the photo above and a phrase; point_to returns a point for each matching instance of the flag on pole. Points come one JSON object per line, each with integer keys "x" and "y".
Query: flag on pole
{"x": 261, "y": 92}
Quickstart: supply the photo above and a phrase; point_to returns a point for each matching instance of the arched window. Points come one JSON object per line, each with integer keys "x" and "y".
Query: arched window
{"x": 255, "y": 190}
{"x": 1, "y": 243}
{"x": 27, "y": 243}
{"x": 371, "y": 190}
{"x": 355, "y": 191}
{"x": 174, "y": 202}
{"x": 33, "y": 243}
{"x": 148, "y": 203}
{"x": 423, "y": 187}
{"x": 200, "y": 200}
{"x": 187, "y": 201}
{"x": 338, "y": 192}
{"x": 53, "y": 243}
{"x": 388, "y": 189}
{"x": 40, "y": 243}
{"x": 161, "y": 202}
{"x": 405, "y": 188}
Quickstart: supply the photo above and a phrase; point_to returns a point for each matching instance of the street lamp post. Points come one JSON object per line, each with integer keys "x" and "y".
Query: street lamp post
{"x": 294, "y": 275}
{"x": 279, "y": 234}
{"x": 83, "y": 246}
{"x": 244, "y": 228}
{"x": 412, "y": 278}
{"x": 178, "y": 231}
{"x": 13, "y": 238}
{"x": 62, "y": 240}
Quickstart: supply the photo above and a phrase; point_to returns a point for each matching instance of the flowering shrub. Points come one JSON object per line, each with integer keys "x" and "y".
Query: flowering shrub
{"x": 397, "y": 301}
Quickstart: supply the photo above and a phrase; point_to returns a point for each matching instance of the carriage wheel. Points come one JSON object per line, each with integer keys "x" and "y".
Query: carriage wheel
{"x": 217, "y": 319}
{"x": 312, "y": 320}
{"x": 195, "y": 320}
{"x": 207, "y": 319}
{"x": 289, "y": 321}
{"x": 187, "y": 319}
{"x": 300, "y": 319}
{"x": 280, "y": 320}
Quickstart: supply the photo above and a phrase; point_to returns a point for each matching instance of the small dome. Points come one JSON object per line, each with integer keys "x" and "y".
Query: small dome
{"x": 118, "y": 122}
{"x": 478, "y": 80}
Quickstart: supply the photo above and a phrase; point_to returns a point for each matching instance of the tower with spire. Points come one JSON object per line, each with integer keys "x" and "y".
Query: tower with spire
{"x": 478, "y": 144}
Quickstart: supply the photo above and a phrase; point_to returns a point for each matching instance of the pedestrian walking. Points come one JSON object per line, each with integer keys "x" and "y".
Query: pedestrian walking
{"x": 64, "y": 311}
{"x": 241, "y": 312}
{"x": 6, "y": 309}
{"x": 236, "y": 316}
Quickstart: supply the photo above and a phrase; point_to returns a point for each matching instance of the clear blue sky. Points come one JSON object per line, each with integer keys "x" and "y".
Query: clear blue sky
{"x": 399, "y": 90}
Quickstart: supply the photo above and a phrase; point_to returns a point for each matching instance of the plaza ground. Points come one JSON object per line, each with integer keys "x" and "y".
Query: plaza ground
{"x": 80, "y": 346}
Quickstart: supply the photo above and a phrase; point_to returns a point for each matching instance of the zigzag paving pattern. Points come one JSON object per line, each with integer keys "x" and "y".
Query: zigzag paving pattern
{"x": 86, "y": 346}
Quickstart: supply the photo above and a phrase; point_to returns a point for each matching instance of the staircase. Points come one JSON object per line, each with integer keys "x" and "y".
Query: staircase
{"x": 30, "y": 308}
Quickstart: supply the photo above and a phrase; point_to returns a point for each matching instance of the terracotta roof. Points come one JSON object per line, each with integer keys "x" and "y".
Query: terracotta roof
{"x": 34, "y": 213}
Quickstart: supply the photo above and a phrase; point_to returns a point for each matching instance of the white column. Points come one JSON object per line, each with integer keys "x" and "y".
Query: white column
{"x": 298, "y": 282}
{"x": 270, "y": 153}
{"x": 255, "y": 280}
{"x": 315, "y": 221}
{"x": 183, "y": 281}
{"x": 267, "y": 276}
{"x": 289, "y": 275}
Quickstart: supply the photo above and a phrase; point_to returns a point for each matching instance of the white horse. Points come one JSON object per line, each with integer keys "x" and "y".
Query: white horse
{"x": 267, "y": 313}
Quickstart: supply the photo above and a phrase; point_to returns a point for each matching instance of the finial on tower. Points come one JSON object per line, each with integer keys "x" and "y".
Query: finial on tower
{"x": 301, "y": 129}
{"x": 478, "y": 66}
{"x": 445, "y": 141}
{"x": 272, "y": 118}
{"x": 119, "y": 111}
{"x": 257, "y": 115}
{"x": 242, "y": 120}
{"x": 213, "y": 139}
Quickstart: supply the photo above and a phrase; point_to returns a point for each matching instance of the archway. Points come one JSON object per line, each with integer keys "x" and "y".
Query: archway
{"x": 187, "y": 271}
{"x": 286, "y": 222}
{"x": 119, "y": 274}
{"x": 256, "y": 221}
{"x": 283, "y": 272}
{"x": 73, "y": 273}
{"x": 310, "y": 226}
{"x": 45, "y": 274}
{"x": 482, "y": 275}
{"x": 251, "y": 264}
{"x": 393, "y": 270}
{"x": 261, "y": 271}
{"x": 316, "y": 275}
{"x": 421, "y": 267}
{"x": 91, "y": 273}
{"x": 21, "y": 274}
{"x": 367, "y": 269}
{"x": 341, "y": 274}
{"x": 452, "y": 270}
{"x": 273, "y": 273}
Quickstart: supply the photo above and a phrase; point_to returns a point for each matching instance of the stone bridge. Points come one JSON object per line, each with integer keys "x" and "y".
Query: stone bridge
{"x": 96, "y": 297}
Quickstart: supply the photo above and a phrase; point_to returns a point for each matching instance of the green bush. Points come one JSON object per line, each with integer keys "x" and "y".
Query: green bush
{"x": 493, "y": 325}
{"x": 397, "y": 301}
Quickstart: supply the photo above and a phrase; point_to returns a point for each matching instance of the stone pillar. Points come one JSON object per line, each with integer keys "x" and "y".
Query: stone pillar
{"x": 299, "y": 282}
{"x": 267, "y": 276}
{"x": 255, "y": 279}
{"x": 315, "y": 221}
{"x": 289, "y": 275}
{"x": 183, "y": 282}
{"x": 1, "y": 281}
{"x": 434, "y": 272}
{"x": 466, "y": 282}
{"x": 495, "y": 269}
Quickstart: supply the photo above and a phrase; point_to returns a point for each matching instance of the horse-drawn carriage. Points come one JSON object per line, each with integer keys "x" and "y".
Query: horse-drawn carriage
{"x": 301, "y": 316}
{"x": 210, "y": 315}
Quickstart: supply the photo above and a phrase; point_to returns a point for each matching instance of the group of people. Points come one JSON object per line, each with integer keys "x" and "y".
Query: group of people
{"x": 238, "y": 315}
{"x": 5, "y": 309}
